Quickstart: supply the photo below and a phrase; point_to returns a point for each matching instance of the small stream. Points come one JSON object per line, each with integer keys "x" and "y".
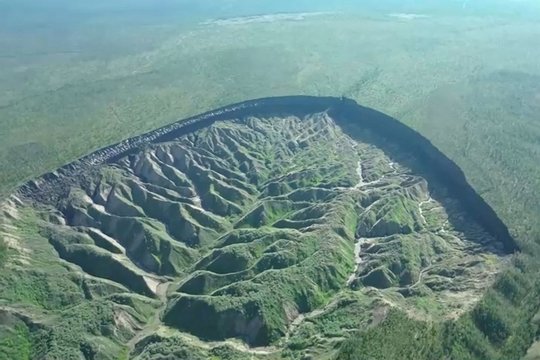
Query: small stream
{"x": 357, "y": 260}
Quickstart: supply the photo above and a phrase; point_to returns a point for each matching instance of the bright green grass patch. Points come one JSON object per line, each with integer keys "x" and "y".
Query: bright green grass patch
{"x": 15, "y": 343}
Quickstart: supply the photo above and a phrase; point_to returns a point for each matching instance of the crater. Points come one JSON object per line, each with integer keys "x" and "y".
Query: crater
{"x": 248, "y": 219}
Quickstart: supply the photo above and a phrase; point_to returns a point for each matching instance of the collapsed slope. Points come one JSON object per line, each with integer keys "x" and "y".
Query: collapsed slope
{"x": 262, "y": 227}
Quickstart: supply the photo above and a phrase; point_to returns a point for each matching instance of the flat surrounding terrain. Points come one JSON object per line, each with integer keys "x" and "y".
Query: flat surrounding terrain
{"x": 467, "y": 77}
{"x": 468, "y": 82}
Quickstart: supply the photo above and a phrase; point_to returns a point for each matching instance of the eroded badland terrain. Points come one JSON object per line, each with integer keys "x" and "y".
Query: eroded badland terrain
{"x": 258, "y": 235}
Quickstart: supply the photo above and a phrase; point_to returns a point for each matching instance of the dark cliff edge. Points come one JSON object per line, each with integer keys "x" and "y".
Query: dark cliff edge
{"x": 53, "y": 186}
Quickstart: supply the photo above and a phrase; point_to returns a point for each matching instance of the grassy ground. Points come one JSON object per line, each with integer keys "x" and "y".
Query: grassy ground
{"x": 467, "y": 80}
{"x": 443, "y": 75}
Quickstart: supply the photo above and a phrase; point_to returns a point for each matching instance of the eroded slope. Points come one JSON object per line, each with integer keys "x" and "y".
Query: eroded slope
{"x": 266, "y": 229}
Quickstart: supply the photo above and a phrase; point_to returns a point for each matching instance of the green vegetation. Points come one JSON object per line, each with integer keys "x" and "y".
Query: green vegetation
{"x": 3, "y": 251}
{"x": 494, "y": 329}
{"x": 275, "y": 267}
{"x": 65, "y": 312}
{"x": 15, "y": 342}
{"x": 465, "y": 77}
{"x": 373, "y": 344}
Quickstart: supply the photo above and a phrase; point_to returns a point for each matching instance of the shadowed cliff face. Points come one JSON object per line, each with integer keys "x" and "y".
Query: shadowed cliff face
{"x": 430, "y": 161}
{"x": 347, "y": 114}
{"x": 247, "y": 220}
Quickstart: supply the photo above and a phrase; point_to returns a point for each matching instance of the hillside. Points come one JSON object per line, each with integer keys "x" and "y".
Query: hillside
{"x": 80, "y": 76}
{"x": 274, "y": 228}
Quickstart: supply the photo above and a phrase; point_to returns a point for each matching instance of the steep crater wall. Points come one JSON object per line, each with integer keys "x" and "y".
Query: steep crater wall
{"x": 52, "y": 187}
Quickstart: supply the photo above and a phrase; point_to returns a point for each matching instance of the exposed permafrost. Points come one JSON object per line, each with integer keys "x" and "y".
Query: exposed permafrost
{"x": 359, "y": 172}
{"x": 357, "y": 260}
{"x": 190, "y": 190}
{"x": 346, "y": 112}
